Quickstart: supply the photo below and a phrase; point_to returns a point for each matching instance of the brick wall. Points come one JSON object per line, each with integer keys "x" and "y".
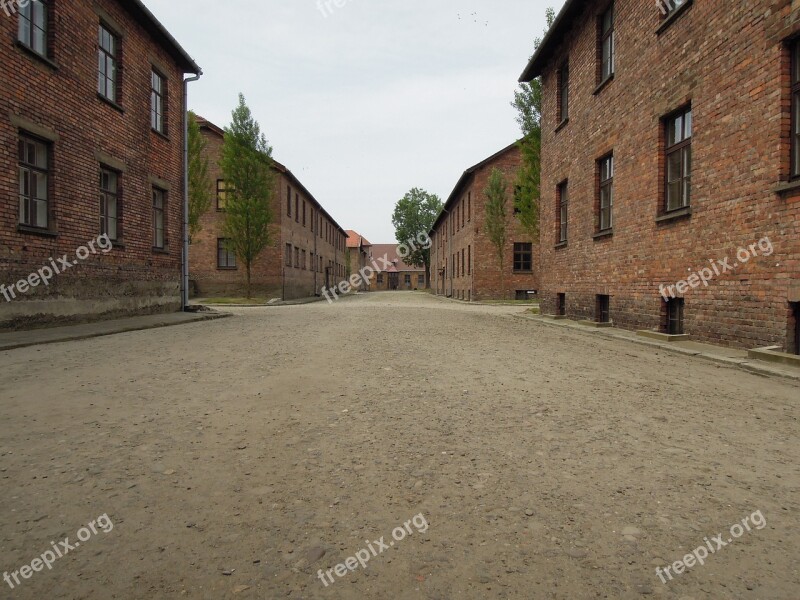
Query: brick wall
{"x": 56, "y": 100}
{"x": 728, "y": 62}
{"x": 465, "y": 264}
{"x": 274, "y": 273}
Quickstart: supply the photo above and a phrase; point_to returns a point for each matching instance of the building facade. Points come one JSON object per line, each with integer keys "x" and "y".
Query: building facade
{"x": 464, "y": 263}
{"x": 670, "y": 171}
{"x": 395, "y": 274}
{"x": 359, "y": 255}
{"x": 308, "y": 249}
{"x": 91, "y": 181}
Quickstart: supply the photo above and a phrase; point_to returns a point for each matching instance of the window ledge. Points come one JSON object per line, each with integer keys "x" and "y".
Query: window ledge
{"x": 675, "y": 215}
{"x": 160, "y": 250}
{"x": 606, "y": 233}
{"x": 111, "y": 103}
{"x": 32, "y": 53}
{"x": 36, "y": 231}
{"x": 529, "y": 272}
{"x": 603, "y": 84}
{"x": 118, "y": 245}
{"x": 673, "y": 17}
{"x": 787, "y": 187}
{"x": 227, "y": 269}
{"x": 160, "y": 134}
{"x": 561, "y": 245}
{"x": 562, "y": 125}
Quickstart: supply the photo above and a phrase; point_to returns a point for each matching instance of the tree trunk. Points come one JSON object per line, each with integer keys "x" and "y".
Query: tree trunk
{"x": 427, "y": 276}
{"x": 249, "y": 295}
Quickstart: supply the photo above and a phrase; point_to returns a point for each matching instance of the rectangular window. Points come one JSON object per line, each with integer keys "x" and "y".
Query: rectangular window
{"x": 607, "y": 44}
{"x": 109, "y": 204}
{"x": 562, "y": 213}
{"x": 603, "y": 309}
{"x": 158, "y": 94}
{"x": 159, "y": 229}
{"x": 523, "y": 258}
{"x": 288, "y": 201}
{"x": 408, "y": 280}
{"x": 304, "y": 213}
{"x": 674, "y": 316}
{"x": 421, "y": 280}
{"x": 296, "y": 257}
{"x": 795, "y": 327}
{"x": 469, "y": 207}
{"x": 670, "y": 7}
{"x": 678, "y": 160}
{"x": 313, "y": 218}
{"x": 563, "y": 93}
{"x": 463, "y": 263}
{"x": 288, "y": 255}
{"x": 469, "y": 260}
{"x": 226, "y": 259}
{"x": 303, "y": 263}
{"x": 33, "y": 24}
{"x": 34, "y": 168}
{"x": 222, "y": 194}
{"x": 107, "y": 52}
{"x": 380, "y": 278}
{"x": 606, "y": 216}
{"x": 796, "y": 108}
{"x": 296, "y": 207}
{"x": 561, "y": 305}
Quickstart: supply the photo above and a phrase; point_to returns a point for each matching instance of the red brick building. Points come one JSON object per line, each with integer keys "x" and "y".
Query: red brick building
{"x": 395, "y": 274}
{"x": 670, "y": 173}
{"x": 464, "y": 263}
{"x": 308, "y": 249}
{"x": 91, "y": 127}
{"x": 359, "y": 255}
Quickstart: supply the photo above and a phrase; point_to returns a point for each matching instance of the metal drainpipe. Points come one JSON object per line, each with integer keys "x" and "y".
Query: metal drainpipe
{"x": 185, "y": 250}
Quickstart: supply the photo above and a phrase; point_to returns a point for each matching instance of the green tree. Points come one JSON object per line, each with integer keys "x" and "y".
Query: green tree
{"x": 495, "y": 224}
{"x": 413, "y": 220}
{"x": 528, "y": 103}
{"x": 246, "y": 165}
{"x": 199, "y": 180}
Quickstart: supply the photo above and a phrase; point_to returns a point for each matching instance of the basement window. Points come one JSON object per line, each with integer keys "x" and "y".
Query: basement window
{"x": 561, "y": 306}
{"x": 673, "y": 322}
{"x": 794, "y": 328}
{"x": 603, "y": 309}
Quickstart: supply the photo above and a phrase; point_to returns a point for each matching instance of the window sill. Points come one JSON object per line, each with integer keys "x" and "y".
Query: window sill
{"x": 675, "y": 215}
{"x": 111, "y": 103}
{"x": 227, "y": 268}
{"x": 528, "y": 272}
{"x": 787, "y": 187}
{"x": 33, "y": 54}
{"x": 562, "y": 125}
{"x": 36, "y": 231}
{"x": 561, "y": 245}
{"x": 603, "y": 84}
{"x": 673, "y": 17}
{"x": 160, "y": 134}
{"x": 164, "y": 251}
{"x": 118, "y": 245}
{"x": 606, "y": 233}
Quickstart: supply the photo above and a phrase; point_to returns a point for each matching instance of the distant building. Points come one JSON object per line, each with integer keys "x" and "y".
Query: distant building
{"x": 464, "y": 263}
{"x": 91, "y": 127}
{"x": 398, "y": 275}
{"x": 359, "y": 255}
{"x": 308, "y": 251}
{"x": 670, "y": 188}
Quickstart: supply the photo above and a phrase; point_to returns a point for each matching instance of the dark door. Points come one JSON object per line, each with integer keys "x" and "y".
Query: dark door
{"x": 394, "y": 281}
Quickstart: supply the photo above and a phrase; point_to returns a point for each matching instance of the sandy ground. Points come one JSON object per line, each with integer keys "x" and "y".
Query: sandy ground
{"x": 236, "y": 458}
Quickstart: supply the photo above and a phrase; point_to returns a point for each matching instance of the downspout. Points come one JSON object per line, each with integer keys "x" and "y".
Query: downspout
{"x": 185, "y": 249}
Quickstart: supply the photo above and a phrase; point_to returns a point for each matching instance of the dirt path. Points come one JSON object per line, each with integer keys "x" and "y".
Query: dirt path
{"x": 237, "y": 458}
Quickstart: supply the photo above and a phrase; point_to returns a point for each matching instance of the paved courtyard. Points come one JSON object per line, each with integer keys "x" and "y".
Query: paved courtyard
{"x": 456, "y": 451}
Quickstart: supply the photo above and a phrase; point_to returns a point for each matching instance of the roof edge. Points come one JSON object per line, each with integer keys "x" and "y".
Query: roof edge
{"x": 543, "y": 53}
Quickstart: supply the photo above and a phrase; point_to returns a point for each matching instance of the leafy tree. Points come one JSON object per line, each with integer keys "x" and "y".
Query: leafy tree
{"x": 413, "y": 220}
{"x": 246, "y": 165}
{"x": 495, "y": 223}
{"x": 199, "y": 180}
{"x": 528, "y": 102}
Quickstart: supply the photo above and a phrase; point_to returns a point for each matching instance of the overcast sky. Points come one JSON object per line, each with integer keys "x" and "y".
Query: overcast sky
{"x": 368, "y": 100}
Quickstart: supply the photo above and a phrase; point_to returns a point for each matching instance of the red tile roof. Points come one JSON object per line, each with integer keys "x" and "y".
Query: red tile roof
{"x": 390, "y": 251}
{"x": 356, "y": 240}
